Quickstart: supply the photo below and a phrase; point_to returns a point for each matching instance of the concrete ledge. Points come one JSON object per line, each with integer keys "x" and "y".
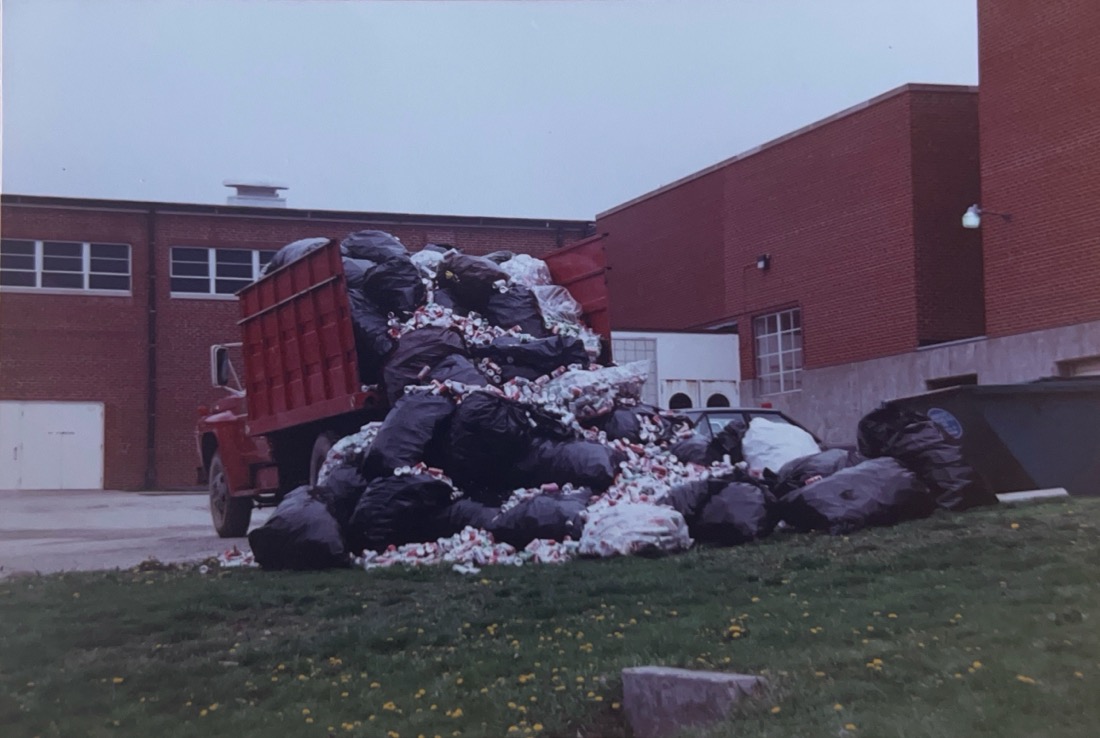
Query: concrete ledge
{"x": 1033, "y": 494}
{"x": 661, "y": 701}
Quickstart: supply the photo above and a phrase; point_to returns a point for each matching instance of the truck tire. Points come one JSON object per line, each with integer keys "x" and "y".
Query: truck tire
{"x": 231, "y": 515}
{"x": 321, "y": 447}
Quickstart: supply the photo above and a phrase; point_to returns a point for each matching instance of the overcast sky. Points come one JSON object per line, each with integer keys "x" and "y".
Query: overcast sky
{"x": 544, "y": 109}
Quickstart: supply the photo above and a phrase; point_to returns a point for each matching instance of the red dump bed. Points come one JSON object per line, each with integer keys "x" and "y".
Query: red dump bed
{"x": 299, "y": 348}
{"x": 299, "y": 351}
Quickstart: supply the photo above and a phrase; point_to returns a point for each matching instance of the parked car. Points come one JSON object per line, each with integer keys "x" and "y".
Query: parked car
{"x": 711, "y": 420}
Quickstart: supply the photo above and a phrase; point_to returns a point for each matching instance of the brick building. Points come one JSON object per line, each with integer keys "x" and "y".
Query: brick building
{"x": 837, "y": 251}
{"x": 117, "y": 303}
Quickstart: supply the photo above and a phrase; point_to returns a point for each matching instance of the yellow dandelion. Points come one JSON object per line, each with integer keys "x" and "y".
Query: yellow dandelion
{"x": 203, "y": 712}
{"x": 615, "y": 705}
{"x": 117, "y": 680}
{"x": 309, "y": 720}
{"x": 389, "y": 706}
{"x": 375, "y": 685}
{"x": 892, "y": 615}
{"x": 838, "y": 707}
{"x": 775, "y": 710}
{"x": 849, "y": 726}
{"x": 819, "y": 674}
{"x": 1015, "y": 526}
{"x": 213, "y": 707}
{"x": 536, "y": 727}
{"x": 1024, "y": 679}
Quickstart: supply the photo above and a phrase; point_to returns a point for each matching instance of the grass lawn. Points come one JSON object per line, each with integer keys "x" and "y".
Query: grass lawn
{"x": 985, "y": 623}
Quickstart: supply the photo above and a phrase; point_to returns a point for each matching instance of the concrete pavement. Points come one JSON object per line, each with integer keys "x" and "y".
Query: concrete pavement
{"x": 52, "y": 531}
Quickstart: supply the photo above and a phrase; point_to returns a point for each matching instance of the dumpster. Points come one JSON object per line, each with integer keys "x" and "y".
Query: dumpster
{"x": 1024, "y": 436}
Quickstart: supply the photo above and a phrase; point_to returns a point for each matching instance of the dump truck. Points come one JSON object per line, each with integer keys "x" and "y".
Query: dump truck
{"x": 298, "y": 389}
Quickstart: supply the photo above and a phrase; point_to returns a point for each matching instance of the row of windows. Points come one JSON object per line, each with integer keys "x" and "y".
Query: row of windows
{"x": 106, "y": 267}
{"x": 102, "y": 267}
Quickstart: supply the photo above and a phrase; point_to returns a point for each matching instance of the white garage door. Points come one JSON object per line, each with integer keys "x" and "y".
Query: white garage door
{"x": 51, "y": 445}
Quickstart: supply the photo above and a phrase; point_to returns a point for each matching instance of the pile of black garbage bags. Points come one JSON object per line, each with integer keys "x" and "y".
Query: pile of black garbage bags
{"x": 905, "y": 468}
{"x": 399, "y": 491}
{"x": 385, "y": 283}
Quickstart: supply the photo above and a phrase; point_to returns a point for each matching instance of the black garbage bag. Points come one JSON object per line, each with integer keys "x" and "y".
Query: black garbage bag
{"x": 376, "y": 246}
{"x": 292, "y": 252}
{"x": 395, "y": 286}
{"x": 621, "y": 423}
{"x": 875, "y": 492}
{"x": 301, "y": 534}
{"x": 547, "y": 516}
{"x": 373, "y": 342}
{"x": 355, "y": 272}
{"x": 667, "y": 424}
{"x": 412, "y": 432}
{"x": 726, "y": 442}
{"x": 344, "y": 485}
{"x": 692, "y": 450}
{"x": 445, "y": 298}
{"x": 398, "y": 510}
{"x": 581, "y": 463}
{"x": 466, "y": 512}
{"x": 470, "y": 279}
{"x": 489, "y": 434}
{"x": 457, "y": 368}
{"x": 725, "y": 512}
{"x": 534, "y": 358}
{"x": 499, "y": 257}
{"x": 518, "y": 307}
{"x": 417, "y": 353}
{"x": 739, "y": 512}
{"x": 922, "y": 447}
{"x": 794, "y": 474}
{"x": 698, "y": 449}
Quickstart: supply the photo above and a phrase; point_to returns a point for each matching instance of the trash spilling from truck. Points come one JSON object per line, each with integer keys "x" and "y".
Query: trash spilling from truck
{"x": 509, "y": 439}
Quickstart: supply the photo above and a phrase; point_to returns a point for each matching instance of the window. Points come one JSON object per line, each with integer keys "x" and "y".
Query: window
{"x": 65, "y": 265}
{"x": 778, "y": 352}
{"x": 204, "y": 271}
{"x": 626, "y": 350}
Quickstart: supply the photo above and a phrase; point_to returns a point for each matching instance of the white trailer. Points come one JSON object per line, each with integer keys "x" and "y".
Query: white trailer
{"x": 687, "y": 369}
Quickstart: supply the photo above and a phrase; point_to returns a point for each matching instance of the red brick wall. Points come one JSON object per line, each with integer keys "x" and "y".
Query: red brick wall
{"x": 834, "y": 209}
{"x": 82, "y": 347}
{"x": 849, "y": 219}
{"x": 946, "y": 181}
{"x": 1040, "y": 154}
{"x": 85, "y": 347}
{"x": 665, "y": 255}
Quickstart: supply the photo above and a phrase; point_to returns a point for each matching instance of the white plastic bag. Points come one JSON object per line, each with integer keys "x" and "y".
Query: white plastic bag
{"x": 557, "y": 305}
{"x": 527, "y": 270}
{"x": 427, "y": 262}
{"x": 590, "y": 394}
{"x": 632, "y": 528}
{"x": 770, "y": 445}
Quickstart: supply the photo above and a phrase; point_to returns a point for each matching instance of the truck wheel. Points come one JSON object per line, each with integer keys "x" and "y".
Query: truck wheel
{"x": 321, "y": 447}
{"x": 231, "y": 515}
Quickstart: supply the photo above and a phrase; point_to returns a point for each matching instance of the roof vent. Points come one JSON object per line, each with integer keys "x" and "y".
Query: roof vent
{"x": 256, "y": 194}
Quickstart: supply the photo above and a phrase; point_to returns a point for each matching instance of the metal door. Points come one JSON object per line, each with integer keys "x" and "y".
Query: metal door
{"x": 51, "y": 445}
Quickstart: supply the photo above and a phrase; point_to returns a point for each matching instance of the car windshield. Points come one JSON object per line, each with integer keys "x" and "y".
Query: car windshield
{"x": 718, "y": 421}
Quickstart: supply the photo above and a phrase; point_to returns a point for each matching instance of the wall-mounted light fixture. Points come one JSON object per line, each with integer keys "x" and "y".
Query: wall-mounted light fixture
{"x": 763, "y": 262}
{"x": 972, "y": 218}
